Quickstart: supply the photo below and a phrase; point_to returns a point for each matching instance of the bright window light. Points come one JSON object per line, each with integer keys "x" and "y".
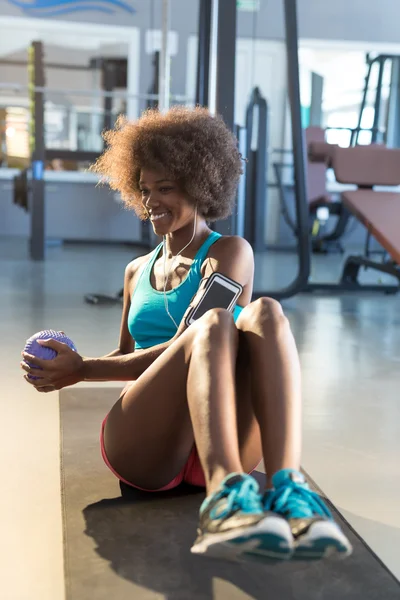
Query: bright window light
{"x": 10, "y": 132}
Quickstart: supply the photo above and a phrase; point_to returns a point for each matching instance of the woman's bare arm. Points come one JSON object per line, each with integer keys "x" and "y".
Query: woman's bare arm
{"x": 231, "y": 256}
{"x": 121, "y": 368}
{"x": 124, "y": 363}
{"x": 126, "y": 344}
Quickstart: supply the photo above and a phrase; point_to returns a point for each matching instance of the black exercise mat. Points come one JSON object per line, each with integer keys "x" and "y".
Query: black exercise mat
{"x": 137, "y": 545}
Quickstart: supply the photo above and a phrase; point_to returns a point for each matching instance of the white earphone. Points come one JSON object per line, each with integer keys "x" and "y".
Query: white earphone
{"x": 166, "y": 276}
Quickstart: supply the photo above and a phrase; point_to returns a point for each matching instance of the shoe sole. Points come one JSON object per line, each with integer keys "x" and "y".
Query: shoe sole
{"x": 324, "y": 539}
{"x": 270, "y": 538}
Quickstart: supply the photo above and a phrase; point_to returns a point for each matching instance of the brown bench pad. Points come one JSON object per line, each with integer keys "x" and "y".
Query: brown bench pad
{"x": 380, "y": 213}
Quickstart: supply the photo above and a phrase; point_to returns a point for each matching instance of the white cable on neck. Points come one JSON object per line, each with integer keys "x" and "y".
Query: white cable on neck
{"x": 166, "y": 276}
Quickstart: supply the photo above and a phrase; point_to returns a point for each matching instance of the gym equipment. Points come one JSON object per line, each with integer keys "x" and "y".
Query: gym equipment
{"x": 43, "y": 352}
{"x": 322, "y": 205}
{"x": 301, "y": 216}
{"x": 216, "y": 78}
{"x": 113, "y": 75}
{"x": 299, "y": 160}
{"x": 30, "y": 192}
{"x": 379, "y": 211}
{"x": 256, "y": 170}
{"x": 379, "y": 133}
{"x": 363, "y": 205}
{"x": 37, "y": 150}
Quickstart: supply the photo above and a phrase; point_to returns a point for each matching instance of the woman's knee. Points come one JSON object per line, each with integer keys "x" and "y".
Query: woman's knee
{"x": 265, "y": 313}
{"x": 215, "y": 323}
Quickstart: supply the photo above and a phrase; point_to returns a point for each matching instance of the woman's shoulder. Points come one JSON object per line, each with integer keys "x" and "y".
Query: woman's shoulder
{"x": 134, "y": 268}
{"x": 231, "y": 246}
{"x": 230, "y": 254}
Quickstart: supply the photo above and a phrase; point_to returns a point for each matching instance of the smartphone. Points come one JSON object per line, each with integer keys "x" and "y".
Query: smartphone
{"x": 219, "y": 291}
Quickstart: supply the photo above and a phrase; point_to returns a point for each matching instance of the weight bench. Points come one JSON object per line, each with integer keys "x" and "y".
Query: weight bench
{"x": 378, "y": 211}
{"x": 318, "y": 159}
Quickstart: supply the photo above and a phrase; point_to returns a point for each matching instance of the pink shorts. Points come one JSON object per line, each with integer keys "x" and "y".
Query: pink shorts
{"x": 192, "y": 473}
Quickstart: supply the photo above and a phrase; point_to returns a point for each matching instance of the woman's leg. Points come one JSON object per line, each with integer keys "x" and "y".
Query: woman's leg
{"x": 276, "y": 396}
{"x": 224, "y": 425}
{"x": 228, "y": 442}
{"x": 187, "y": 393}
{"x": 276, "y": 382}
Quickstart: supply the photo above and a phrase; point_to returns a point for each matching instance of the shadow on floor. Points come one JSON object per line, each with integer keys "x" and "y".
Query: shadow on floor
{"x": 146, "y": 538}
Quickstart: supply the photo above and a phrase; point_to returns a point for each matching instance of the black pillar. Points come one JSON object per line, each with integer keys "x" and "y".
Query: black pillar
{"x": 299, "y": 152}
{"x": 37, "y": 150}
{"x": 203, "y": 53}
{"x": 226, "y": 60}
{"x": 256, "y": 170}
{"x": 225, "y": 80}
{"x": 299, "y": 155}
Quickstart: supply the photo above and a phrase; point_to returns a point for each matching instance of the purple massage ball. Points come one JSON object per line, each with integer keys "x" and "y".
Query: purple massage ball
{"x": 32, "y": 347}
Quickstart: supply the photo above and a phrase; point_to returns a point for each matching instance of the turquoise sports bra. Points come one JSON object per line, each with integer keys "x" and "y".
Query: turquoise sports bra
{"x": 148, "y": 321}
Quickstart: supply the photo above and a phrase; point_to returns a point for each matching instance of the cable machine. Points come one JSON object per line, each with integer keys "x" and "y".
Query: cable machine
{"x": 256, "y": 171}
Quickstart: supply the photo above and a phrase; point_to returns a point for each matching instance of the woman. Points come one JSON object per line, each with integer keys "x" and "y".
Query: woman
{"x": 203, "y": 404}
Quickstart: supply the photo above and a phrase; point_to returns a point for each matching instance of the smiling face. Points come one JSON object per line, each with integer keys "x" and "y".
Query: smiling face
{"x": 165, "y": 202}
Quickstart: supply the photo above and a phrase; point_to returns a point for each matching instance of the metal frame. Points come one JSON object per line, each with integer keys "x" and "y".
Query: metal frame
{"x": 203, "y": 55}
{"x": 30, "y": 186}
{"x": 363, "y": 103}
{"x": 257, "y": 126}
{"x": 108, "y": 84}
{"x": 165, "y": 63}
{"x": 378, "y": 134}
{"x": 355, "y": 131}
{"x": 378, "y": 99}
{"x": 353, "y": 264}
{"x": 37, "y": 147}
{"x": 77, "y": 155}
{"x": 299, "y": 155}
{"x": 58, "y": 66}
{"x": 328, "y": 242}
{"x": 223, "y": 53}
{"x": 225, "y": 31}
{"x": 349, "y": 280}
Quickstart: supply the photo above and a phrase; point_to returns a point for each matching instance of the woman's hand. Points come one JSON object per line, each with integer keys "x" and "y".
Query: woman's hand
{"x": 63, "y": 370}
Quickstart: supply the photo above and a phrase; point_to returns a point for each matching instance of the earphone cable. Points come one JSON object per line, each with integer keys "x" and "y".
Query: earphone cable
{"x": 166, "y": 276}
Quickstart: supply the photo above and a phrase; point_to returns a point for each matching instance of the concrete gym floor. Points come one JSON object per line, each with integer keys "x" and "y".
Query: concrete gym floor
{"x": 350, "y": 353}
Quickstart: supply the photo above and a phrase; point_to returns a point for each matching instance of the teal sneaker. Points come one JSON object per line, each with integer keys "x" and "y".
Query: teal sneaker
{"x": 233, "y": 524}
{"x": 314, "y": 531}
